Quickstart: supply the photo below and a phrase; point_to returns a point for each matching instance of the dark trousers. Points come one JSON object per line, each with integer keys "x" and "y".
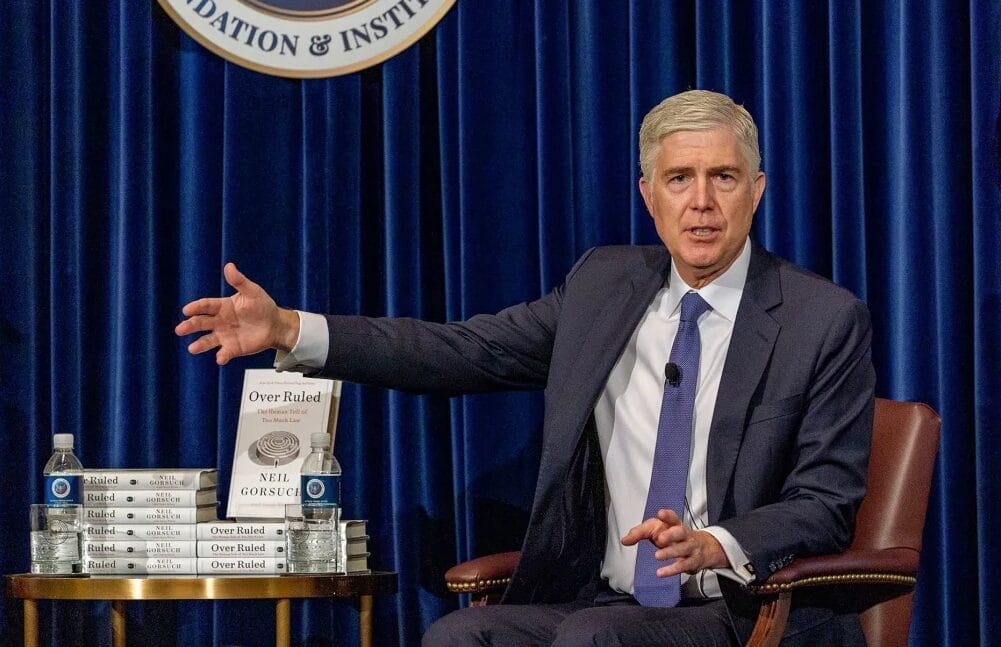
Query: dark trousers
{"x": 599, "y": 617}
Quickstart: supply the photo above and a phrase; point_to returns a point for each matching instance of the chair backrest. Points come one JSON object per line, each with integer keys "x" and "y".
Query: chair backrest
{"x": 904, "y": 444}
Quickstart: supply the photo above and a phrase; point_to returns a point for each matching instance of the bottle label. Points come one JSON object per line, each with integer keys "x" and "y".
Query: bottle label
{"x": 320, "y": 490}
{"x": 62, "y": 489}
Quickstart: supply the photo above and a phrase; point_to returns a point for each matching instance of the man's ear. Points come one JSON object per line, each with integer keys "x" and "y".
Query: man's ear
{"x": 645, "y": 191}
{"x": 759, "y": 188}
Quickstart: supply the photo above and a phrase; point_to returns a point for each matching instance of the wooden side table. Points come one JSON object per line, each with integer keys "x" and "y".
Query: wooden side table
{"x": 280, "y": 588}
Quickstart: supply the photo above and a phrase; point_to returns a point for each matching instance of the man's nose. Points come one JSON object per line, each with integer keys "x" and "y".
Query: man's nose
{"x": 704, "y": 198}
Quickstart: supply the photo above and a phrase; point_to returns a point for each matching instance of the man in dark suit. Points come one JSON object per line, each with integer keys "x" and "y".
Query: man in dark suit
{"x": 780, "y": 421}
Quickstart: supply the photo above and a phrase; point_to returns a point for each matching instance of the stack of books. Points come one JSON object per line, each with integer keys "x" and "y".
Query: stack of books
{"x": 245, "y": 547}
{"x": 354, "y": 553}
{"x": 143, "y": 521}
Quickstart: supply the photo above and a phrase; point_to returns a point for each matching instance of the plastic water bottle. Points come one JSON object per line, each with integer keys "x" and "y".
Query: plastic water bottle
{"x": 320, "y": 480}
{"x": 313, "y": 539}
{"x": 63, "y": 474}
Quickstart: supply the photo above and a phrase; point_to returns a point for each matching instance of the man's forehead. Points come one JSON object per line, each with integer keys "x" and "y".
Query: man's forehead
{"x": 718, "y": 147}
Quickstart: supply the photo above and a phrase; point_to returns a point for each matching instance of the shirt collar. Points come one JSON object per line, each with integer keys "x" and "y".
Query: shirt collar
{"x": 722, "y": 294}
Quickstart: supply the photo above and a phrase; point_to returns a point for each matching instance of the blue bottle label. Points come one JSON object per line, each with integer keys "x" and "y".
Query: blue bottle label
{"x": 62, "y": 489}
{"x": 320, "y": 490}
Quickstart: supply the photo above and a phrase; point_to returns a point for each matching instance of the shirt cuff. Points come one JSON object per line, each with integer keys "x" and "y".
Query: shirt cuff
{"x": 310, "y": 351}
{"x": 740, "y": 570}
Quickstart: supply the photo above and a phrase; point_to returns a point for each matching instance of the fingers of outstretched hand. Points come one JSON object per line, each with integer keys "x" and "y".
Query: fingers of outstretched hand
{"x": 239, "y": 281}
{"x": 203, "y": 343}
{"x": 208, "y": 306}
{"x": 194, "y": 324}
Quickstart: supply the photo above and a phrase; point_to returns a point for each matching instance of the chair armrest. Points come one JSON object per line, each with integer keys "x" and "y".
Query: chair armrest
{"x": 891, "y": 571}
{"x": 897, "y": 566}
{"x": 486, "y": 576}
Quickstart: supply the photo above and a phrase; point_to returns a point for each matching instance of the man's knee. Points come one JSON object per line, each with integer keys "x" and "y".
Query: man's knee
{"x": 587, "y": 629}
{"x": 454, "y": 629}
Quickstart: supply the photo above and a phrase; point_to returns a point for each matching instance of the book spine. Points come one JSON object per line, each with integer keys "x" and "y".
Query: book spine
{"x": 356, "y": 564}
{"x": 262, "y": 531}
{"x": 241, "y": 565}
{"x": 138, "y": 532}
{"x": 142, "y": 515}
{"x": 137, "y": 549}
{"x": 356, "y": 546}
{"x": 238, "y": 548}
{"x": 193, "y": 479}
{"x": 354, "y": 528}
{"x": 140, "y": 566}
{"x": 144, "y": 498}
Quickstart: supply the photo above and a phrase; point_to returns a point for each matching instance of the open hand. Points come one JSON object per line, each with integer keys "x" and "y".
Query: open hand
{"x": 241, "y": 324}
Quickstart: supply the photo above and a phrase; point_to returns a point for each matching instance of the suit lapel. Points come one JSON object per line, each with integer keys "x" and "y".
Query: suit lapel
{"x": 602, "y": 343}
{"x": 751, "y": 344}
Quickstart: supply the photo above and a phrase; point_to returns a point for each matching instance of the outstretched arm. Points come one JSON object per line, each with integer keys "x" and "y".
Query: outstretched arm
{"x": 241, "y": 324}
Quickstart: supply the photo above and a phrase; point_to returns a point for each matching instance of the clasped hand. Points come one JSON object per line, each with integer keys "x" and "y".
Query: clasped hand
{"x": 691, "y": 550}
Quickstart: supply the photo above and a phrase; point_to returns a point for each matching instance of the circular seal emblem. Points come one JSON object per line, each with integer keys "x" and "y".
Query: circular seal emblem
{"x": 60, "y": 488}
{"x": 306, "y": 38}
{"x": 314, "y": 488}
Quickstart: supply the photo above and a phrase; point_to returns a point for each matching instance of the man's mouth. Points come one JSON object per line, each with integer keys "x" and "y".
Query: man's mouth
{"x": 703, "y": 232}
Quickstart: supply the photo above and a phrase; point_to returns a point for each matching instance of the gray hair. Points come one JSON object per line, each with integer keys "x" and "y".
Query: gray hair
{"x": 697, "y": 110}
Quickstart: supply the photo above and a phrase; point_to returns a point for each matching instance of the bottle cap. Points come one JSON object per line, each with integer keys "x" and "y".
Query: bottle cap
{"x": 319, "y": 439}
{"x": 62, "y": 441}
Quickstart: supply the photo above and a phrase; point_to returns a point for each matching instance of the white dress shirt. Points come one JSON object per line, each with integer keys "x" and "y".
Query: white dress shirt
{"x": 628, "y": 411}
{"x": 627, "y": 414}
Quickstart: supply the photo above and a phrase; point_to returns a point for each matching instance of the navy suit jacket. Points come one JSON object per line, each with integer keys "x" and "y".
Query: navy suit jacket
{"x": 790, "y": 435}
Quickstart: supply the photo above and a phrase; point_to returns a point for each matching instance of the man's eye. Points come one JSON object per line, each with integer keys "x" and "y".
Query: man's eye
{"x": 725, "y": 177}
{"x": 677, "y": 179}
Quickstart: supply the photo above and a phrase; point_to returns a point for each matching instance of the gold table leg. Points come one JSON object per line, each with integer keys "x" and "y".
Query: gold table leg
{"x": 30, "y": 623}
{"x": 365, "y": 620}
{"x": 283, "y": 622}
{"x": 118, "y": 623}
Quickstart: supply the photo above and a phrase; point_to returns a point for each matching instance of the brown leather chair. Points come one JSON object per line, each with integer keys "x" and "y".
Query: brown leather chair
{"x": 881, "y": 564}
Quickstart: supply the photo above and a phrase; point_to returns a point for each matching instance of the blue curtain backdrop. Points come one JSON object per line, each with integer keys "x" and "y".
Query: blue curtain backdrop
{"x": 461, "y": 176}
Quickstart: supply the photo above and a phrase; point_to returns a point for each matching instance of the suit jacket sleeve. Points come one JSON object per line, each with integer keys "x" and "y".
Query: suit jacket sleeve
{"x": 822, "y": 470}
{"x": 509, "y": 350}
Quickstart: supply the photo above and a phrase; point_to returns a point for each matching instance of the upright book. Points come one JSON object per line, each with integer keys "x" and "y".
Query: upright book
{"x": 278, "y": 412}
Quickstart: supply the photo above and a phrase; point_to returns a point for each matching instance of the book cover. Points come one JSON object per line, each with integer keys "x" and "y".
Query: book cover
{"x": 278, "y": 412}
{"x": 139, "y": 531}
{"x": 241, "y": 565}
{"x": 140, "y": 566}
{"x": 231, "y": 530}
{"x": 148, "y": 515}
{"x": 240, "y": 548}
{"x": 138, "y": 548}
{"x": 150, "y": 479}
{"x": 148, "y": 498}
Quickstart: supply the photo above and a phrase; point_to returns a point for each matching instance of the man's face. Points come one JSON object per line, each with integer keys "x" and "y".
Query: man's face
{"x": 702, "y": 197}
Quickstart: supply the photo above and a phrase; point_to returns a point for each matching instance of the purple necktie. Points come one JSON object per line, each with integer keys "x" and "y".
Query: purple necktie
{"x": 669, "y": 476}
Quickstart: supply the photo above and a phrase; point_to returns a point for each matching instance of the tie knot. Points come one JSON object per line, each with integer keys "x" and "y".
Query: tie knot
{"x": 692, "y": 306}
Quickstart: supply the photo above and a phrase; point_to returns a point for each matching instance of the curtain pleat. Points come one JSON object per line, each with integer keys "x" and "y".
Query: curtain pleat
{"x": 463, "y": 175}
